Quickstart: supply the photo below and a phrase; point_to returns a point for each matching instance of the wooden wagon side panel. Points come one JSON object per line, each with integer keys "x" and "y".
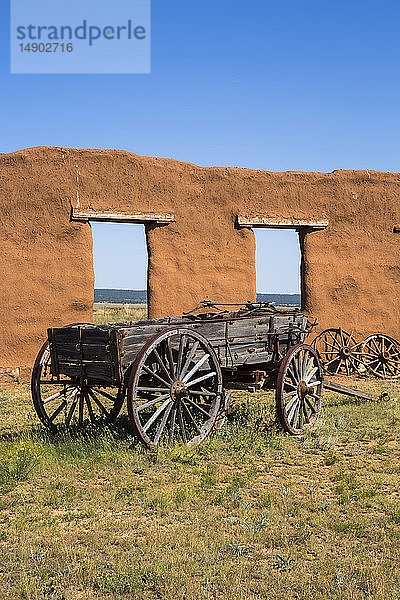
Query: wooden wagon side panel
{"x": 248, "y": 341}
{"x": 134, "y": 338}
{"x": 92, "y": 352}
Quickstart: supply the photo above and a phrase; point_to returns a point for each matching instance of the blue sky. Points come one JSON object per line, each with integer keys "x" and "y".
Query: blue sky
{"x": 280, "y": 86}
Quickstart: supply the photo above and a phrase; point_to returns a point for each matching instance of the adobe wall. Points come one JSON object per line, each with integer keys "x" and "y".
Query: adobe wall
{"x": 351, "y": 272}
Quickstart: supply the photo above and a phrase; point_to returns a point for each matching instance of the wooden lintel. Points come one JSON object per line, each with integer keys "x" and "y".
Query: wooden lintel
{"x": 84, "y": 216}
{"x": 281, "y": 223}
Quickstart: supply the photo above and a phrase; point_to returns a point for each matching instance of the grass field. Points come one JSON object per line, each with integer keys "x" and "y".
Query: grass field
{"x": 252, "y": 513}
{"x": 105, "y": 312}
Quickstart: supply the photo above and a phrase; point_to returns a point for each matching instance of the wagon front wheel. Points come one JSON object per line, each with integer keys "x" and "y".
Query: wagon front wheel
{"x": 175, "y": 389}
{"x": 299, "y": 389}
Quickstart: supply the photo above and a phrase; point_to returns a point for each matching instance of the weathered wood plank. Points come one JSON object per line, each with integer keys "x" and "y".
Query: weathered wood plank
{"x": 348, "y": 391}
{"x": 91, "y": 215}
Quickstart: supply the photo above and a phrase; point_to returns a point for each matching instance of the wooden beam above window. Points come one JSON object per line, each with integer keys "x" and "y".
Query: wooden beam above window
{"x": 84, "y": 216}
{"x": 260, "y": 221}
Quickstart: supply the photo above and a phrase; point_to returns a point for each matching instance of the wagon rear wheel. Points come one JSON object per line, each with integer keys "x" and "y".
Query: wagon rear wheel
{"x": 63, "y": 403}
{"x": 299, "y": 389}
{"x": 175, "y": 389}
{"x": 381, "y": 356}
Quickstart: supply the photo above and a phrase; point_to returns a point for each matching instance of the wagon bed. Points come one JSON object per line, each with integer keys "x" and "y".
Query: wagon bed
{"x": 240, "y": 338}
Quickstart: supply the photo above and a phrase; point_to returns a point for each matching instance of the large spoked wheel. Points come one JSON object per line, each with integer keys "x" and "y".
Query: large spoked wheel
{"x": 381, "y": 355}
{"x": 63, "y": 403}
{"x": 299, "y": 389}
{"x": 338, "y": 352}
{"x": 174, "y": 389}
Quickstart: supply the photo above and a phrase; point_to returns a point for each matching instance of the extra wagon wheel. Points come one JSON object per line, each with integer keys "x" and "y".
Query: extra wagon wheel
{"x": 381, "y": 356}
{"x": 338, "y": 352}
{"x": 174, "y": 389}
{"x": 299, "y": 389}
{"x": 62, "y": 402}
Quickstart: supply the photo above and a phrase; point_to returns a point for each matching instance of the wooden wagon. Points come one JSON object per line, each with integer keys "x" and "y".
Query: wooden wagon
{"x": 176, "y": 372}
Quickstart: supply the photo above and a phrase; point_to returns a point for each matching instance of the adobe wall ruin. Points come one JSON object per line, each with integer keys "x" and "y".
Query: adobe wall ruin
{"x": 351, "y": 272}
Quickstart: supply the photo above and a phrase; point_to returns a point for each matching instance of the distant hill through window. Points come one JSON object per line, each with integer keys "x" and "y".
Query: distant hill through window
{"x": 140, "y": 297}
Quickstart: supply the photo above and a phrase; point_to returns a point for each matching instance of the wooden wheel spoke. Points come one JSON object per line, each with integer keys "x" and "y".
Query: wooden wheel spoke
{"x": 341, "y": 337}
{"x": 310, "y": 404}
{"x": 296, "y": 373}
{"x": 57, "y": 395}
{"x": 48, "y": 382}
{"x": 195, "y": 368}
{"x": 162, "y": 424}
{"x": 105, "y": 394}
{"x": 200, "y": 393}
{"x": 289, "y": 394}
{"x": 90, "y": 408}
{"x": 337, "y": 358}
{"x": 144, "y": 388}
{"x": 81, "y": 405}
{"x": 334, "y": 346}
{"x": 337, "y": 368}
{"x": 172, "y": 424}
{"x": 161, "y": 364}
{"x": 153, "y": 374}
{"x": 97, "y": 401}
{"x": 72, "y": 409}
{"x": 311, "y": 374}
{"x": 300, "y": 416}
{"x": 290, "y": 385}
{"x": 181, "y": 424}
{"x": 152, "y": 402}
{"x": 202, "y": 378}
{"x": 305, "y": 413}
{"x": 295, "y": 419}
{"x": 291, "y": 403}
{"x": 157, "y": 413}
{"x": 189, "y": 359}
{"x": 191, "y": 418}
{"x": 182, "y": 344}
{"x": 293, "y": 409}
{"x": 58, "y": 410}
{"x": 197, "y": 406}
{"x": 170, "y": 358}
{"x": 373, "y": 361}
{"x": 314, "y": 383}
{"x": 335, "y": 340}
{"x": 304, "y": 364}
{"x": 375, "y": 344}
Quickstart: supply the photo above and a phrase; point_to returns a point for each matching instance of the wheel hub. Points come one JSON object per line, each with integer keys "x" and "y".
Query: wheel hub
{"x": 345, "y": 352}
{"x": 302, "y": 389}
{"x": 178, "y": 390}
{"x": 384, "y": 357}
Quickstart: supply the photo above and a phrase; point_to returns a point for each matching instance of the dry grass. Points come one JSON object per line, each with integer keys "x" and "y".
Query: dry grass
{"x": 251, "y": 514}
{"x": 112, "y": 313}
